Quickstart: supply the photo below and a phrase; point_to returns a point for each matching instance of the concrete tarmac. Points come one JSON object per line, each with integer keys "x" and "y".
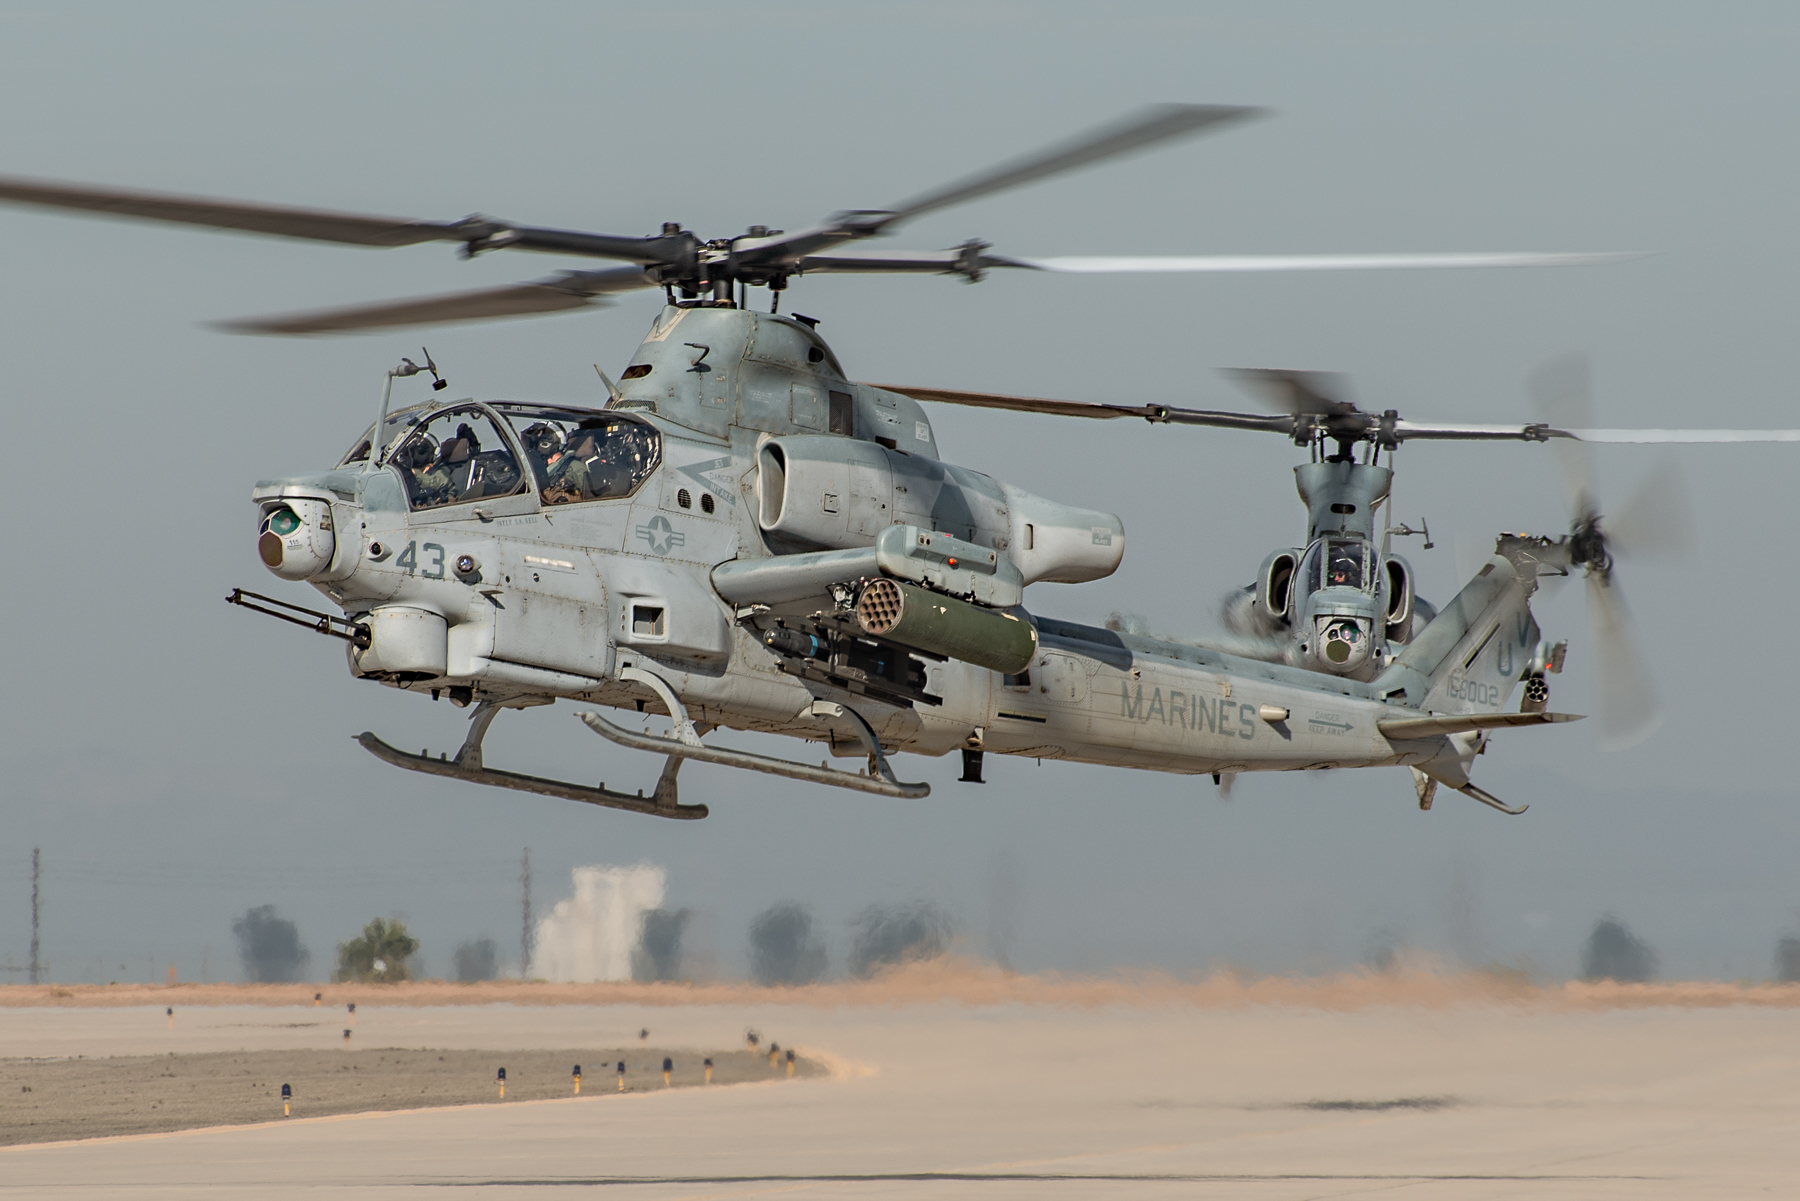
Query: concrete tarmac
{"x": 953, "y": 1100}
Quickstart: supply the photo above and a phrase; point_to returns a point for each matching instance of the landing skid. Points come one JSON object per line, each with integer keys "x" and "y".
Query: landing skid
{"x": 467, "y": 766}
{"x": 686, "y": 744}
{"x": 1426, "y": 788}
{"x": 1489, "y": 799}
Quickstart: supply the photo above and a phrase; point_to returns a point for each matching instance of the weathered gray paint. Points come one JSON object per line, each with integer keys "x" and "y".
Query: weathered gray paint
{"x": 548, "y": 611}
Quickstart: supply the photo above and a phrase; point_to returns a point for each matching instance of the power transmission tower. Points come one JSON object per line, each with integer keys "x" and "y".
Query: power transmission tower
{"x": 36, "y": 855}
{"x": 525, "y": 937}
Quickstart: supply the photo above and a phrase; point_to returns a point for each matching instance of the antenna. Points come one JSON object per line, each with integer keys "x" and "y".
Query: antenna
{"x": 525, "y": 938}
{"x": 438, "y": 382}
{"x": 408, "y": 367}
{"x": 36, "y": 853}
{"x": 612, "y": 389}
{"x": 1406, "y": 531}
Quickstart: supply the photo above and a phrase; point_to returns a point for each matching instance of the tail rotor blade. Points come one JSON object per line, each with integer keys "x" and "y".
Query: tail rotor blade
{"x": 1629, "y": 709}
{"x": 1657, "y": 519}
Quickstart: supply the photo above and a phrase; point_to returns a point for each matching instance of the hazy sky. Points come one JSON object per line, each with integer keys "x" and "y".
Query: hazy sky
{"x": 180, "y": 761}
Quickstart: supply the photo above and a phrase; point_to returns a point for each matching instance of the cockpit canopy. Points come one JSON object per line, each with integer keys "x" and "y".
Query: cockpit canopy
{"x": 459, "y": 454}
{"x": 1337, "y": 563}
{"x": 454, "y": 456}
{"x": 578, "y": 454}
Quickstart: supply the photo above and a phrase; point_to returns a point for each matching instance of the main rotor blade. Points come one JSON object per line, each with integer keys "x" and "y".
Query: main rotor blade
{"x": 1476, "y": 432}
{"x": 929, "y": 262}
{"x": 1147, "y": 127}
{"x": 1227, "y": 263}
{"x": 277, "y": 220}
{"x": 1154, "y": 413}
{"x": 1642, "y": 437}
{"x": 1403, "y": 430}
{"x": 1158, "y": 123}
{"x": 970, "y": 261}
{"x": 319, "y": 225}
{"x": 1316, "y": 393}
{"x": 565, "y": 291}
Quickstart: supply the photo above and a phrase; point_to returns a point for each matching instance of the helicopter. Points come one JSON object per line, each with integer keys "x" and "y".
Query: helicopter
{"x": 1344, "y": 604}
{"x": 744, "y": 537}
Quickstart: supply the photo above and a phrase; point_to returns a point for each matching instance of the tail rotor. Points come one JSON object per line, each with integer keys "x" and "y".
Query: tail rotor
{"x": 1656, "y": 519}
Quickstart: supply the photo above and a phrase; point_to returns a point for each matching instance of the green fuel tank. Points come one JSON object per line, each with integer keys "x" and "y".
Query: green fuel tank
{"x": 930, "y": 621}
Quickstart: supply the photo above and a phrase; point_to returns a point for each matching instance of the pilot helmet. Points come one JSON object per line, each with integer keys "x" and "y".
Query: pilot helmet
{"x": 418, "y": 452}
{"x": 543, "y": 439}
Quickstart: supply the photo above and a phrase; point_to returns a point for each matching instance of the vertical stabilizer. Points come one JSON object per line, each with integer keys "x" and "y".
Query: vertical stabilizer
{"x": 1475, "y": 650}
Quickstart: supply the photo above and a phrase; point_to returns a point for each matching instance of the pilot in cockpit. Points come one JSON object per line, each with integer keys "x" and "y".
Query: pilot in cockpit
{"x": 426, "y": 479}
{"x": 543, "y": 442}
{"x": 571, "y": 469}
{"x": 1344, "y": 568}
{"x": 450, "y": 474}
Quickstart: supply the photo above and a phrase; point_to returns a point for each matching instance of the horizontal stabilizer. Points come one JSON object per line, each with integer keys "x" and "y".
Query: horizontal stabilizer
{"x": 1409, "y": 728}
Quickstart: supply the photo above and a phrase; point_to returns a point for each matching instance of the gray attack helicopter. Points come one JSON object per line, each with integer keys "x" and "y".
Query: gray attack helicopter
{"x": 741, "y": 536}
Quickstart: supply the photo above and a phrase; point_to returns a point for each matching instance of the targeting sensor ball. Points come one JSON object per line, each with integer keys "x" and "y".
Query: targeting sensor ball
{"x": 295, "y": 539}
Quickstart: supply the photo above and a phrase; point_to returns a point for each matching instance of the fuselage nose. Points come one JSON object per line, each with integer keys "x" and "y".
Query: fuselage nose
{"x": 1341, "y": 623}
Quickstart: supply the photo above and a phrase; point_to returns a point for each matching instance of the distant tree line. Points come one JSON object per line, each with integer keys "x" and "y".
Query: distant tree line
{"x": 787, "y": 947}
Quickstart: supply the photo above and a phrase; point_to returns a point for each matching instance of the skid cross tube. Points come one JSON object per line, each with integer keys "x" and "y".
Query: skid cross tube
{"x": 468, "y": 766}
{"x": 686, "y": 744}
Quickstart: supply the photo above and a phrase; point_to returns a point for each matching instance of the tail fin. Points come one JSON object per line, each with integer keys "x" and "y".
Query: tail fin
{"x": 1475, "y": 650}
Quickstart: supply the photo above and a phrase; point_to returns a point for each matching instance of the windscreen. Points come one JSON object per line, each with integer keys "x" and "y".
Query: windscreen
{"x": 1336, "y": 563}
{"x": 582, "y": 455}
{"x": 459, "y": 455}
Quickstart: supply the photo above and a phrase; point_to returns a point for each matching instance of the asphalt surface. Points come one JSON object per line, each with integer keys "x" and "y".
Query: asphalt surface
{"x": 952, "y": 1100}
{"x": 57, "y": 1099}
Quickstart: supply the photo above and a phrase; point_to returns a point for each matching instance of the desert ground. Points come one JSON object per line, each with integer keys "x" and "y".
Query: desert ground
{"x": 944, "y": 1081}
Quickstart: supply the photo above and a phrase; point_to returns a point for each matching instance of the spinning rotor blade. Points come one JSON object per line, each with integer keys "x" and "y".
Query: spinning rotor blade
{"x": 1629, "y": 708}
{"x": 925, "y": 262}
{"x": 1231, "y": 263}
{"x": 1656, "y": 519}
{"x": 1677, "y": 437}
{"x": 1021, "y": 404}
{"x": 1402, "y": 430}
{"x": 565, "y": 291}
{"x": 1562, "y": 392}
{"x": 1156, "y": 414}
{"x": 279, "y": 221}
{"x": 971, "y": 261}
{"x": 1158, "y": 123}
{"x": 318, "y": 225}
{"x": 677, "y": 258}
{"x": 1316, "y": 393}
